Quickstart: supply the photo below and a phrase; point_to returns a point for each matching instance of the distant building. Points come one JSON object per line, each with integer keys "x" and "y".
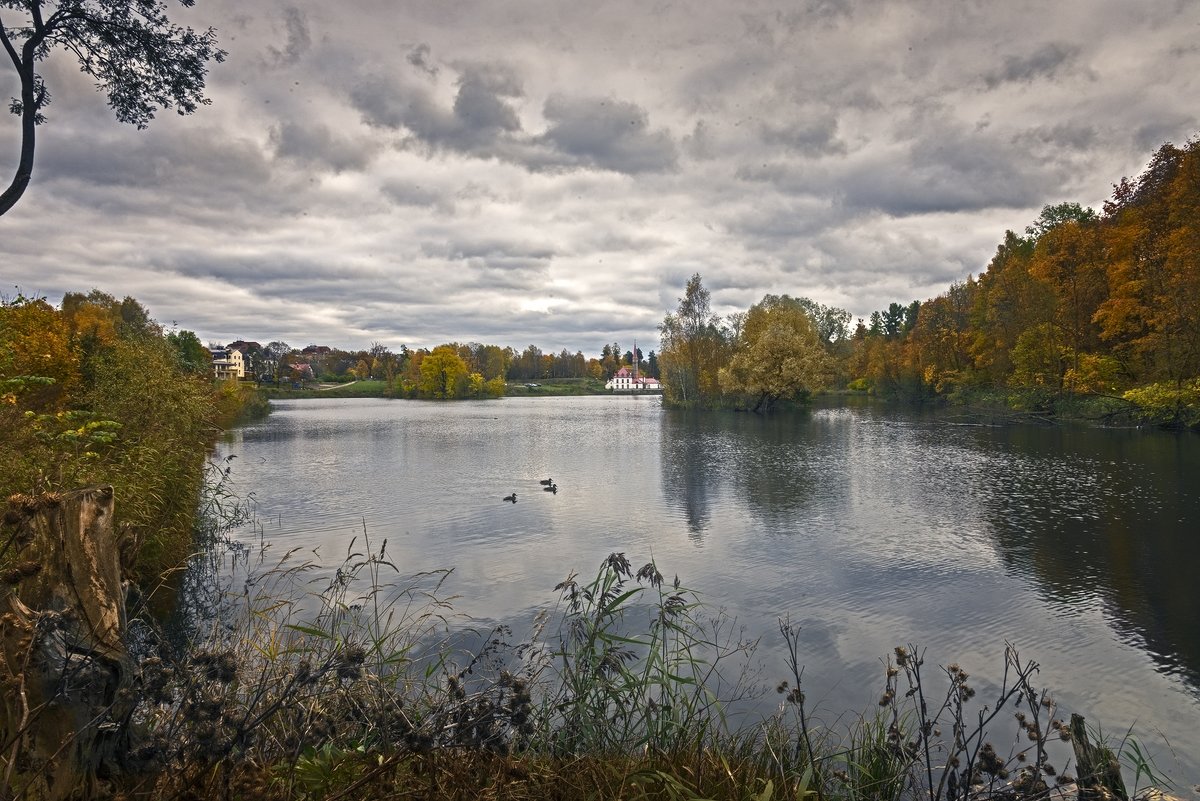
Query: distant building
{"x": 300, "y": 371}
{"x": 228, "y": 363}
{"x": 627, "y": 380}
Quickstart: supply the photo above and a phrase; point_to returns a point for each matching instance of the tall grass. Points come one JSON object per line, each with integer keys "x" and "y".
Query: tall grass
{"x": 116, "y": 407}
{"x": 295, "y": 682}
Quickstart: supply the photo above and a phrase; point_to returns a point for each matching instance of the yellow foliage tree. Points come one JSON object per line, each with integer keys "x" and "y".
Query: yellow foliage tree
{"x": 441, "y": 372}
{"x": 35, "y": 342}
{"x": 779, "y": 355}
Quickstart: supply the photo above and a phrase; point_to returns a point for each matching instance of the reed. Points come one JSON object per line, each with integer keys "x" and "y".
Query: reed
{"x": 299, "y": 683}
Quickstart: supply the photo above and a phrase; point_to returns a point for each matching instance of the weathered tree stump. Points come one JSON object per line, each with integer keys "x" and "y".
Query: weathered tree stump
{"x": 1099, "y": 772}
{"x": 68, "y": 674}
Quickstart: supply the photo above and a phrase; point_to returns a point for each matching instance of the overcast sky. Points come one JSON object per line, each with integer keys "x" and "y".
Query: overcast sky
{"x": 519, "y": 172}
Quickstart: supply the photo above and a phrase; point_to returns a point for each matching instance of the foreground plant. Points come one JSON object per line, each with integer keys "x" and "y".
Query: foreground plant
{"x": 299, "y": 684}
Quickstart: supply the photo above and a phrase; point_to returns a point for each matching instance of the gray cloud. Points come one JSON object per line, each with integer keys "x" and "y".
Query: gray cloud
{"x": 1048, "y": 61}
{"x": 406, "y": 193}
{"x": 316, "y": 145}
{"x": 812, "y": 136}
{"x": 480, "y": 114}
{"x": 608, "y": 134}
{"x": 482, "y": 104}
{"x": 419, "y": 58}
{"x": 490, "y": 248}
{"x": 507, "y": 172}
{"x": 296, "y": 43}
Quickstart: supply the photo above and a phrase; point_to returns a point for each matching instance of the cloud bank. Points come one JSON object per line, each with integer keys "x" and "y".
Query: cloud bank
{"x": 527, "y": 172}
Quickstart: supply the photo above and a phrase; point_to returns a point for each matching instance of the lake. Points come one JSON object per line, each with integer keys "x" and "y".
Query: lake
{"x": 871, "y": 527}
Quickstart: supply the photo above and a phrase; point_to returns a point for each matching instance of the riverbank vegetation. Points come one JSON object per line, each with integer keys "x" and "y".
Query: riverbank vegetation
{"x": 1085, "y": 314}
{"x": 96, "y": 392}
{"x": 447, "y": 372}
{"x": 558, "y": 386}
{"x": 370, "y": 687}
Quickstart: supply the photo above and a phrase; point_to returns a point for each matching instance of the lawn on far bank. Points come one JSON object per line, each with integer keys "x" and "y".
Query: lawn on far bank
{"x": 556, "y": 386}
{"x": 378, "y": 389}
{"x": 351, "y": 389}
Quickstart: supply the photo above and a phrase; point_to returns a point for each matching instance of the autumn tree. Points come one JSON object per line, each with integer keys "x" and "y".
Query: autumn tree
{"x": 1067, "y": 259}
{"x": 1152, "y": 315}
{"x": 441, "y": 373}
{"x": 382, "y": 362}
{"x": 1183, "y": 264}
{"x": 693, "y": 350}
{"x": 779, "y": 356}
{"x": 135, "y": 54}
{"x": 491, "y": 361}
{"x": 35, "y": 351}
{"x": 940, "y": 339}
{"x": 1009, "y": 301}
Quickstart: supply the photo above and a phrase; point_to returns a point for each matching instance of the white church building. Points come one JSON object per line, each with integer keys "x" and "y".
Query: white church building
{"x": 627, "y": 380}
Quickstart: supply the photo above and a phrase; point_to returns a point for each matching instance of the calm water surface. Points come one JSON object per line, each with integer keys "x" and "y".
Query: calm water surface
{"x": 870, "y": 527}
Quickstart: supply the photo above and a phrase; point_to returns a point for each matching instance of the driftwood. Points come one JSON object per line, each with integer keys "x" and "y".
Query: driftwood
{"x": 1097, "y": 767}
{"x": 68, "y": 675}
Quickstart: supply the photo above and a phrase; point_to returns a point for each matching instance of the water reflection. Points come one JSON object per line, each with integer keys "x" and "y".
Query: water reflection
{"x": 771, "y": 465}
{"x": 1108, "y": 516}
{"x": 693, "y": 462}
{"x": 873, "y": 528}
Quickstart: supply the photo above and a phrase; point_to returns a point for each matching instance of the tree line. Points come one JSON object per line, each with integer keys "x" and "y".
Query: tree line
{"x": 1080, "y": 304}
{"x": 95, "y": 391}
{"x": 450, "y": 370}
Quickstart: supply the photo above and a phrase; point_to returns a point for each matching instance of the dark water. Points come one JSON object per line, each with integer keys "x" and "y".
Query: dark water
{"x": 870, "y": 527}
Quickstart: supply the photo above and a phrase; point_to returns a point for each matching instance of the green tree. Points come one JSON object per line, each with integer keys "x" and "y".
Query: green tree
{"x": 193, "y": 357}
{"x": 609, "y": 361}
{"x": 780, "y": 355}
{"x": 832, "y": 323}
{"x": 1039, "y": 361}
{"x": 130, "y": 48}
{"x": 893, "y": 320}
{"x": 1054, "y": 216}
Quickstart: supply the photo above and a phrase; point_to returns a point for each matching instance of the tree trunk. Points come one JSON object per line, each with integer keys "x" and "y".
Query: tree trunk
{"x": 29, "y": 116}
{"x": 1097, "y": 766}
{"x": 63, "y": 643}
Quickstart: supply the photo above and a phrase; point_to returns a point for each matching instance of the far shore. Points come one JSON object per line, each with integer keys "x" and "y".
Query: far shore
{"x": 550, "y": 387}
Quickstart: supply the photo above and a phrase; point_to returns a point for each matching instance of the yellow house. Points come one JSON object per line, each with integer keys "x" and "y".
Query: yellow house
{"x": 228, "y": 363}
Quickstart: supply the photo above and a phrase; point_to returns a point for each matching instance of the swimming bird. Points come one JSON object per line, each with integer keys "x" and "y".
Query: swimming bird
{"x": 512, "y": 498}
{"x": 552, "y": 488}
{"x": 549, "y": 482}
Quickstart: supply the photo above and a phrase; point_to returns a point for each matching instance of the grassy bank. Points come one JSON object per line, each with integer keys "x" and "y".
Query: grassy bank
{"x": 557, "y": 386}
{"x": 353, "y": 389}
{"x": 94, "y": 393}
{"x": 379, "y": 389}
{"x": 368, "y": 689}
